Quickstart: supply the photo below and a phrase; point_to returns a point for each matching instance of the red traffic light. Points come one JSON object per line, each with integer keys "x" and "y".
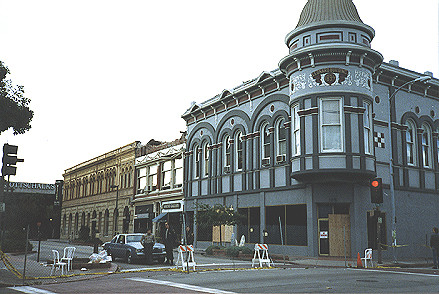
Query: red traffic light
{"x": 375, "y": 183}
{"x": 376, "y": 190}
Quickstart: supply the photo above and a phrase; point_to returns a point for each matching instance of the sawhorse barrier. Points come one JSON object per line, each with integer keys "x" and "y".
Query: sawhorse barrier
{"x": 186, "y": 257}
{"x": 261, "y": 255}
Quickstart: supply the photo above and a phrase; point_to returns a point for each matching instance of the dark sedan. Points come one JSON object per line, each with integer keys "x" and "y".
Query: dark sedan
{"x": 129, "y": 247}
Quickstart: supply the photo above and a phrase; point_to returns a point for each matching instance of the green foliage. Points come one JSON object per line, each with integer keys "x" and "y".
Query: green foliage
{"x": 14, "y": 107}
{"x": 15, "y": 241}
{"x": 234, "y": 251}
{"x": 209, "y": 250}
{"x": 217, "y": 215}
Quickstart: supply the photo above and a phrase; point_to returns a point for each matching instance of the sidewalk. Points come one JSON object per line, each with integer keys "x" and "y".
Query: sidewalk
{"x": 39, "y": 272}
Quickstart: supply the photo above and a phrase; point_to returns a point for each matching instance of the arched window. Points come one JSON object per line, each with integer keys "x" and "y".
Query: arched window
{"x": 265, "y": 144}
{"x": 295, "y": 127}
{"x": 226, "y": 153}
{"x": 410, "y": 138}
{"x": 100, "y": 221}
{"x": 197, "y": 161}
{"x": 83, "y": 220}
{"x": 426, "y": 145}
{"x": 69, "y": 226}
{"x": 64, "y": 224}
{"x": 76, "y": 228}
{"x": 238, "y": 151}
{"x": 367, "y": 122}
{"x": 281, "y": 140}
{"x": 437, "y": 145}
{"x": 206, "y": 159}
{"x": 116, "y": 220}
{"x": 106, "y": 222}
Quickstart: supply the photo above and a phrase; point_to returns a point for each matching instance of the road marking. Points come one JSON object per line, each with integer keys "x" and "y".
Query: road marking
{"x": 168, "y": 267}
{"x": 29, "y": 289}
{"x": 182, "y": 286}
{"x": 396, "y": 272}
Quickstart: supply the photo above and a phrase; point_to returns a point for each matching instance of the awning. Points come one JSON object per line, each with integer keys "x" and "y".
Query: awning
{"x": 160, "y": 217}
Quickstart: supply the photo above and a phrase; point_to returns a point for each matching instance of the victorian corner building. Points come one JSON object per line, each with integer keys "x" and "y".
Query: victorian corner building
{"x": 295, "y": 148}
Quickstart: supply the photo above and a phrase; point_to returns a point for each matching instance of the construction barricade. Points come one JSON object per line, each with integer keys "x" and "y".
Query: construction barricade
{"x": 261, "y": 256}
{"x": 186, "y": 257}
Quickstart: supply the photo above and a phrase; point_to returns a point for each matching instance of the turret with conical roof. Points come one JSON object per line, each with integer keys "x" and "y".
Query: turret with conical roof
{"x": 330, "y": 13}
{"x": 330, "y": 68}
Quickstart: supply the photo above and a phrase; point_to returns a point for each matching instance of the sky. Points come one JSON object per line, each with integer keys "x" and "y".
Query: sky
{"x": 104, "y": 73}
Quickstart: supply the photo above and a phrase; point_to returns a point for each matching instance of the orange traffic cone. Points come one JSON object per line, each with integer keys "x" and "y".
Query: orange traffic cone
{"x": 359, "y": 263}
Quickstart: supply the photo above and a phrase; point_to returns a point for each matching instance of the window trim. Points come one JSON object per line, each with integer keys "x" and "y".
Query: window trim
{"x": 265, "y": 131}
{"x": 295, "y": 131}
{"x": 226, "y": 152}
{"x": 368, "y": 110}
{"x": 426, "y": 130}
{"x": 205, "y": 159}
{"x": 238, "y": 142}
{"x": 411, "y": 126}
{"x": 341, "y": 124}
{"x": 197, "y": 162}
{"x": 280, "y": 123}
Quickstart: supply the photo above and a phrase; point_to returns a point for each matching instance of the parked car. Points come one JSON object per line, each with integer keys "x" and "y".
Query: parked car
{"x": 128, "y": 247}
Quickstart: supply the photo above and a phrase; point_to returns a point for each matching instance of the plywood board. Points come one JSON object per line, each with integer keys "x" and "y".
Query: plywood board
{"x": 339, "y": 235}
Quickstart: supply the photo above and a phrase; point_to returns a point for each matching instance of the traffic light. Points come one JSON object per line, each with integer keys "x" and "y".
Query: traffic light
{"x": 376, "y": 190}
{"x": 10, "y": 159}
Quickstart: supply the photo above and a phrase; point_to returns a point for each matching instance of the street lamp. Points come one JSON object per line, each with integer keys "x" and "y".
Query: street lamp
{"x": 116, "y": 210}
{"x": 391, "y": 179}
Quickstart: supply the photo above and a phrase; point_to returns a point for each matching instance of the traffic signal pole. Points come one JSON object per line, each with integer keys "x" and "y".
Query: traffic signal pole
{"x": 9, "y": 160}
{"x": 2, "y": 212}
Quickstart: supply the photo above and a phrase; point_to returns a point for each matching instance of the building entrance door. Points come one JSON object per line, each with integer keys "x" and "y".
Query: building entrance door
{"x": 324, "y": 236}
{"x": 340, "y": 232}
{"x": 334, "y": 230}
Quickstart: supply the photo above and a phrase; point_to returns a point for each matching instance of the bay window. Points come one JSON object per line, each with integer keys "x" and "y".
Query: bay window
{"x": 331, "y": 125}
{"x": 295, "y": 126}
{"x": 367, "y": 122}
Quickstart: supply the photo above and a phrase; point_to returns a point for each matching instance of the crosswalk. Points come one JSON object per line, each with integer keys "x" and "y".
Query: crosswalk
{"x": 187, "y": 287}
{"x": 30, "y": 290}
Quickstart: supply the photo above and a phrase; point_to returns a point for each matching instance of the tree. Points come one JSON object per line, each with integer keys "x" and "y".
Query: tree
{"x": 14, "y": 107}
{"x": 217, "y": 215}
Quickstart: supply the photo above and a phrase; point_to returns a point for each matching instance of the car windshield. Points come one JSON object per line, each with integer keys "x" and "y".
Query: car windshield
{"x": 133, "y": 238}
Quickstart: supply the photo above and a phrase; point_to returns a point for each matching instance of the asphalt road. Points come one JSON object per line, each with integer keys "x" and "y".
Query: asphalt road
{"x": 291, "y": 280}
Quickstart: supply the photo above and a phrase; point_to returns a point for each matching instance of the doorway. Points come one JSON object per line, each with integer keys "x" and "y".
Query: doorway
{"x": 334, "y": 231}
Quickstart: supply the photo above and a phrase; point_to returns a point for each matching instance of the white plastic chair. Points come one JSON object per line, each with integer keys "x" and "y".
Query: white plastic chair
{"x": 57, "y": 263}
{"x": 367, "y": 257}
{"x": 68, "y": 256}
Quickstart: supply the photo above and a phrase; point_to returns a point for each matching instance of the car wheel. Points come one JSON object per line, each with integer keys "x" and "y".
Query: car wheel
{"x": 129, "y": 257}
